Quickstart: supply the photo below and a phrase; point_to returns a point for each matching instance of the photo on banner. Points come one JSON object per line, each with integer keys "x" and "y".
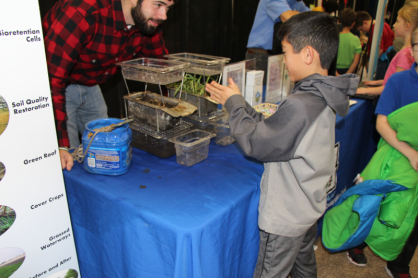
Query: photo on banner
{"x": 68, "y": 273}
{"x": 4, "y": 114}
{"x": 7, "y": 218}
{"x": 11, "y": 259}
{"x": 2, "y": 170}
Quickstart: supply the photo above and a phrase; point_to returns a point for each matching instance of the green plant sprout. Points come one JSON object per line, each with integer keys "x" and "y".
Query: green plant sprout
{"x": 192, "y": 85}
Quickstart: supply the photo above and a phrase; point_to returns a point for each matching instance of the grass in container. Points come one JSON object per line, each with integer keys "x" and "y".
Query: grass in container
{"x": 192, "y": 147}
{"x": 192, "y": 85}
{"x": 193, "y": 92}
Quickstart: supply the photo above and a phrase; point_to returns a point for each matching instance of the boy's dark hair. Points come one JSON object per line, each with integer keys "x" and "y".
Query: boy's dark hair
{"x": 330, "y": 6}
{"x": 361, "y": 16}
{"x": 347, "y": 17}
{"x": 314, "y": 29}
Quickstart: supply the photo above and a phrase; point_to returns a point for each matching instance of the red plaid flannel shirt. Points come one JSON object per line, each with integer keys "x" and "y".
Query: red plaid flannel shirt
{"x": 83, "y": 42}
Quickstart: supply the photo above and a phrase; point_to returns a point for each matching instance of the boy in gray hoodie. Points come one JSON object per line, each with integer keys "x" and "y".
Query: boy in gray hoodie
{"x": 296, "y": 144}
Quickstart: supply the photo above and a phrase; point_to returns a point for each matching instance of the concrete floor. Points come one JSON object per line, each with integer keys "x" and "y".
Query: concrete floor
{"x": 336, "y": 265}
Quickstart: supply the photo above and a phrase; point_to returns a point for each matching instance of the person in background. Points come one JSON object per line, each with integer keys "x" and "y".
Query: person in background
{"x": 331, "y": 7}
{"x": 260, "y": 41}
{"x": 365, "y": 24}
{"x": 296, "y": 144}
{"x": 349, "y": 49}
{"x": 406, "y": 21}
{"x": 400, "y": 91}
{"x": 84, "y": 40}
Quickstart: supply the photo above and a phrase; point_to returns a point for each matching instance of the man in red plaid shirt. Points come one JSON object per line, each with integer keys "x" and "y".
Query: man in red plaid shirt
{"x": 84, "y": 39}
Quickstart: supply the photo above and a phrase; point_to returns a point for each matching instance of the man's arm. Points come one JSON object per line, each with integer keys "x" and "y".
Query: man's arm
{"x": 281, "y": 9}
{"x": 387, "y": 133}
{"x": 286, "y": 15}
{"x": 64, "y": 38}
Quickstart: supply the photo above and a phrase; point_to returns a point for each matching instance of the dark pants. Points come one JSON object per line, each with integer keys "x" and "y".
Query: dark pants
{"x": 279, "y": 255}
{"x": 342, "y": 71}
{"x": 401, "y": 263}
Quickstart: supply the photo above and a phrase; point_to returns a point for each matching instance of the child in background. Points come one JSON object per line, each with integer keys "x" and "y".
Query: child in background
{"x": 349, "y": 48}
{"x": 296, "y": 144}
{"x": 400, "y": 91}
{"x": 406, "y": 21}
{"x": 365, "y": 24}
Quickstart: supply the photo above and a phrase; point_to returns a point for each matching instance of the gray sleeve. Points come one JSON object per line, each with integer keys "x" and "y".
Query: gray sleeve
{"x": 277, "y": 137}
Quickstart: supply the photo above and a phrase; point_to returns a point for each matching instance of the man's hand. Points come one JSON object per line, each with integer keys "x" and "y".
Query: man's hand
{"x": 221, "y": 93}
{"x": 66, "y": 160}
{"x": 286, "y": 15}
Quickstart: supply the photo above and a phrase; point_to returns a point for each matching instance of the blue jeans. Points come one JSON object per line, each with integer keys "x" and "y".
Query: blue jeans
{"x": 82, "y": 104}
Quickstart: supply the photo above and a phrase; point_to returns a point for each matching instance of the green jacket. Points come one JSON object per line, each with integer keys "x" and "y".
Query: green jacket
{"x": 396, "y": 215}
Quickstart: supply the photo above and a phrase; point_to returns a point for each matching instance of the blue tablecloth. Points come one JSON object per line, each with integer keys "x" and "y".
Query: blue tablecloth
{"x": 164, "y": 220}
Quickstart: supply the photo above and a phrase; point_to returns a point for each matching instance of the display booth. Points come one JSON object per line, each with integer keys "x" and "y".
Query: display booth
{"x": 158, "y": 218}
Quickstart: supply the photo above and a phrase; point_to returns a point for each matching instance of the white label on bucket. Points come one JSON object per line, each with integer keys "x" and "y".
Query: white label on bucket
{"x": 91, "y": 162}
{"x": 104, "y": 159}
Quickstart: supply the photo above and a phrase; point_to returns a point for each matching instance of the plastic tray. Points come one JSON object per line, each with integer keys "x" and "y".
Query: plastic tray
{"x": 266, "y": 109}
{"x": 145, "y": 113}
{"x": 192, "y": 147}
{"x": 156, "y": 71}
{"x": 201, "y": 64}
{"x": 204, "y": 106}
{"x": 146, "y": 138}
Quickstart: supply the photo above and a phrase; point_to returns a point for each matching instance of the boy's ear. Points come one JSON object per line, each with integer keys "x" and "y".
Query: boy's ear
{"x": 309, "y": 53}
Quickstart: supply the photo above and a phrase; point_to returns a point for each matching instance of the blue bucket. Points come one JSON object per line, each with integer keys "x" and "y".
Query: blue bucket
{"x": 110, "y": 153}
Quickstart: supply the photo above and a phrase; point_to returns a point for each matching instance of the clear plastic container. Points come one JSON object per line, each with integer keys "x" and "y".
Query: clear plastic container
{"x": 201, "y": 64}
{"x": 223, "y": 135}
{"x": 192, "y": 147}
{"x": 156, "y": 71}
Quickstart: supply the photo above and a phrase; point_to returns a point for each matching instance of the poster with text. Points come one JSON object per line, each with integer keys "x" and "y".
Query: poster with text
{"x": 275, "y": 68}
{"x": 236, "y": 71}
{"x": 36, "y": 238}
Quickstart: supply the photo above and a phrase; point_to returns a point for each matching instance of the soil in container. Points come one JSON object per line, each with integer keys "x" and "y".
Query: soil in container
{"x": 147, "y": 99}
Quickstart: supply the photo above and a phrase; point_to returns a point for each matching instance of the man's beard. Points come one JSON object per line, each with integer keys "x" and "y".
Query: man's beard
{"x": 141, "y": 22}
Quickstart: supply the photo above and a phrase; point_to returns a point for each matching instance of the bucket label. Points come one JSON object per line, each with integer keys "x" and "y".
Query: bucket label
{"x": 102, "y": 159}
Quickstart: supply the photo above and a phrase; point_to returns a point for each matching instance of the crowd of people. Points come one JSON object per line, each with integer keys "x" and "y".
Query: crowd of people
{"x": 85, "y": 39}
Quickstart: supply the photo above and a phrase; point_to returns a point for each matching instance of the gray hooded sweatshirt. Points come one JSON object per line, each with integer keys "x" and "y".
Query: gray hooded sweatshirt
{"x": 296, "y": 144}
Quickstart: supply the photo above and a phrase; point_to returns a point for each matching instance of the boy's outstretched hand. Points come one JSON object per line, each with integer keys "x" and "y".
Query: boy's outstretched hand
{"x": 221, "y": 93}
